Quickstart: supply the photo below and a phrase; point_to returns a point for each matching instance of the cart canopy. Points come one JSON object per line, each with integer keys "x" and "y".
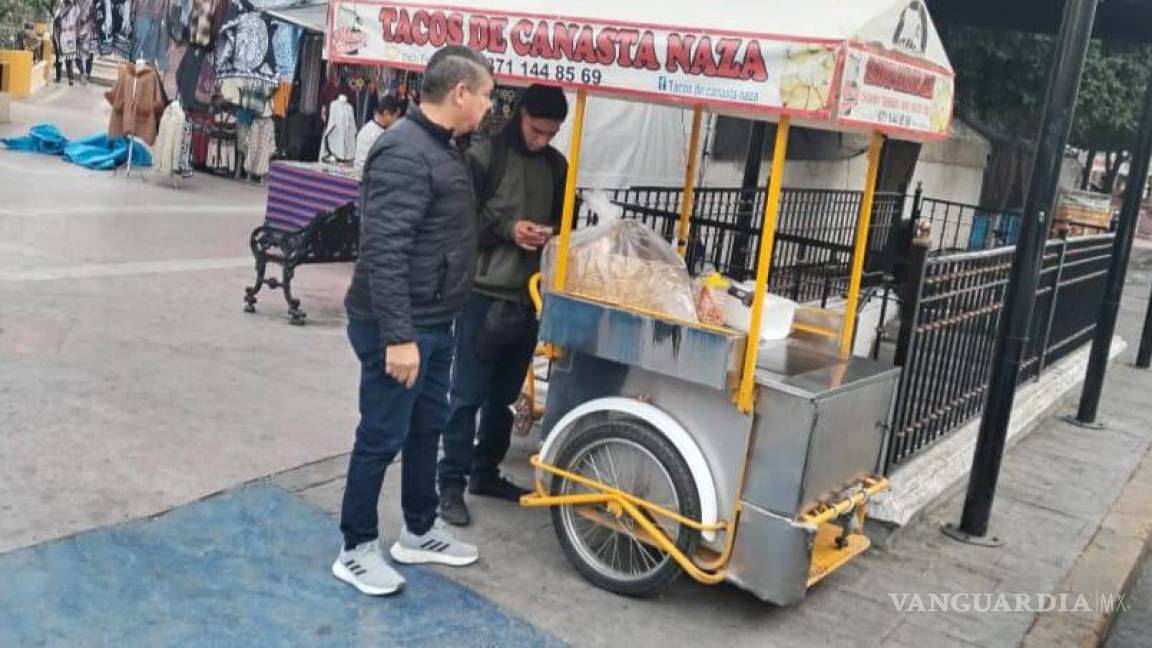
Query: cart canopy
{"x": 858, "y": 65}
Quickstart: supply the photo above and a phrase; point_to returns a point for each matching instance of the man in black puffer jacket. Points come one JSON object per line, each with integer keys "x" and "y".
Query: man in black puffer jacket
{"x": 414, "y": 274}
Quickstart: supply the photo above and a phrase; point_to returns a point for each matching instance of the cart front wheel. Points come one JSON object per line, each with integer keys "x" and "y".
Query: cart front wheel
{"x": 607, "y": 546}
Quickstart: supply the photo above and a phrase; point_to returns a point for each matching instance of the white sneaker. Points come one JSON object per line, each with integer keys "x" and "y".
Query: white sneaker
{"x": 365, "y": 569}
{"x": 437, "y": 546}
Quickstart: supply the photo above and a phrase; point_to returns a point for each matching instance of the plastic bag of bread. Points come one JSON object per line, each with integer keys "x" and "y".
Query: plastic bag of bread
{"x": 622, "y": 262}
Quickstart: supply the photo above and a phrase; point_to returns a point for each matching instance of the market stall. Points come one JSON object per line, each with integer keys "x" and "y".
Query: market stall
{"x": 710, "y": 428}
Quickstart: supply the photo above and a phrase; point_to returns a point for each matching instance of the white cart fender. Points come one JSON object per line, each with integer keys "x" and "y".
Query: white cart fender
{"x": 666, "y": 425}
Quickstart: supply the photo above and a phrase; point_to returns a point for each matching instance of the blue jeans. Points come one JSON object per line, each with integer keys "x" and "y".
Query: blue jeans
{"x": 395, "y": 418}
{"x": 487, "y": 388}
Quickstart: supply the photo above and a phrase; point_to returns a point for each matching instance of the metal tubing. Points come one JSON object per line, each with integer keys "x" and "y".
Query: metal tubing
{"x": 746, "y": 206}
{"x": 1042, "y": 356}
{"x": 1121, "y": 253}
{"x": 746, "y": 397}
{"x": 1144, "y": 356}
{"x": 863, "y": 225}
{"x": 561, "y": 278}
{"x": 1020, "y": 295}
{"x": 689, "y": 198}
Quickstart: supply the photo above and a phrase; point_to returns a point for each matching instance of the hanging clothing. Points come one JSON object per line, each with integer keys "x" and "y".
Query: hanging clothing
{"x": 205, "y": 20}
{"x": 114, "y": 20}
{"x": 166, "y": 151}
{"x": 280, "y": 99}
{"x": 286, "y": 49}
{"x": 261, "y": 145}
{"x": 363, "y": 100}
{"x": 150, "y": 39}
{"x": 176, "y": 21}
{"x": 66, "y": 30}
{"x": 87, "y": 28}
{"x": 339, "y": 142}
{"x": 245, "y": 50}
{"x": 309, "y": 75}
{"x": 137, "y": 101}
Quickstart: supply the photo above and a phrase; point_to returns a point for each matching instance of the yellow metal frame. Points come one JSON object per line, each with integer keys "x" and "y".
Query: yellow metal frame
{"x": 689, "y": 201}
{"x": 863, "y": 226}
{"x": 622, "y": 503}
{"x": 561, "y": 278}
{"x": 746, "y": 396}
{"x": 827, "y": 553}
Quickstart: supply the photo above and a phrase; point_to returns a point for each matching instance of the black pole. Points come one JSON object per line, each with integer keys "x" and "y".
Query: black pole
{"x": 745, "y": 213}
{"x": 1144, "y": 356}
{"x": 1121, "y": 253}
{"x": 1020, "y": 295}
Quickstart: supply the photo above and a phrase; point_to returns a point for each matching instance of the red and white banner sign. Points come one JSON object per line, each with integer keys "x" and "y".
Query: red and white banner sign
{"x": 664, "y": 63}
{"x": 891, "y": 94}
{"x": 822, "y": 80}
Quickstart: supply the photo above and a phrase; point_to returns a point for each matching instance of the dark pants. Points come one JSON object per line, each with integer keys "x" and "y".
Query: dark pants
{"x": 487, "y": 388}
{"x": 394, "y": 418}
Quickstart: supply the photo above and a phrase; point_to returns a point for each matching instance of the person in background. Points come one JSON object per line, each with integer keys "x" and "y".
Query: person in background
{"x": 413, "y": 276}
{"x": 386, "y": 113}
{"x": 519, "y": 180}
{"x": 33, "y": 43}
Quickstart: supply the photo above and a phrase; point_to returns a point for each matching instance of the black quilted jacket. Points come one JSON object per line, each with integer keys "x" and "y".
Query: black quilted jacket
{"x": 417, "y": 231}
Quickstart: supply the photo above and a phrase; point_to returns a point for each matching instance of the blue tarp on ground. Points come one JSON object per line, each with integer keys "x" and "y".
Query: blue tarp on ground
{"x": 93, "y": 152}
{"x": 248, "y": 568}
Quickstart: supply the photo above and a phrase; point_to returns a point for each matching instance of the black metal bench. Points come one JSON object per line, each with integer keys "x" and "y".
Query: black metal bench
{"x": 332, "y": 237}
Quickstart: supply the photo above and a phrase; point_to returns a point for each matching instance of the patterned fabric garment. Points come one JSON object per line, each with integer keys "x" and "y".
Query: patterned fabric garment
{"x": 115, "y": 27}
{"x": 184, "y": 162}
{"x": 67, "y": 26}
{"x": 245, "y": 50}
{"x": 261, "y": 146}
{"x": 285, "y": 48}
{"x": 151, "y": 8}
{"x": 200, "y": 23}
{"x": 169, "y": 139}
{"x": 311, "y": 71}
{"x": 86, "y": 33}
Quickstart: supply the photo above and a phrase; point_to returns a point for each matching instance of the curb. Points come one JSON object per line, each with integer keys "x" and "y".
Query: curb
{"x": 1105, "y": 566}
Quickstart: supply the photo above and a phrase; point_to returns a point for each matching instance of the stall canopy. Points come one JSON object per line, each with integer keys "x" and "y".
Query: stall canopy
{"x": 858, "y": 65}
{"x": 310, "y": 14}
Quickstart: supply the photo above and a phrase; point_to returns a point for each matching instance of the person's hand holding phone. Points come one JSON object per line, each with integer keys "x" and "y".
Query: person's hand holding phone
{"x": 530, "y": 236}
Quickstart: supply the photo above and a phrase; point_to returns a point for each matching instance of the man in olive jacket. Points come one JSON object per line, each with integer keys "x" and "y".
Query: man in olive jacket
{"x": 519, "y": 181}
{"x": 413, "y": 275}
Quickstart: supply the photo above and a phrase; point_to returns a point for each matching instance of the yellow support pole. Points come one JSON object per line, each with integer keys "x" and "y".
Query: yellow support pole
{"x": 561, "y": 278}
{"x": 863, "y": 225}
{"x": 689, "y": 201}
{"x": 746, "y": 396}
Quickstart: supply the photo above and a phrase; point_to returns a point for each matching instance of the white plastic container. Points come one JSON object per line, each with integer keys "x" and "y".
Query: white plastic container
{"x": 776, "y": 322}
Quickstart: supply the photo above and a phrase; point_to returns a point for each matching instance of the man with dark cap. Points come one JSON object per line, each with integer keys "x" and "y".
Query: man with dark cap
{"x": 519, "y": 182}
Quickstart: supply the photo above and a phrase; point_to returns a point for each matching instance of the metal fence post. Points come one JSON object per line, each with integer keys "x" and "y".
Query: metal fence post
{"x": 913, "y": 288}
{"x": 1114, "y": 286}
{"x": 1144, "y": 356}
{"x": 1071, "y": 51}
{"x": 1041, "y": 359}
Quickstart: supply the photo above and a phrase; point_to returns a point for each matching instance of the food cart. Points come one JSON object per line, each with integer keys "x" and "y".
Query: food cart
{"x": 673, "y": 446}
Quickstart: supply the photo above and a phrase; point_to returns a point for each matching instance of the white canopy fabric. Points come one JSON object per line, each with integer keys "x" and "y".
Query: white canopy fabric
{"x": 856, "y": 65}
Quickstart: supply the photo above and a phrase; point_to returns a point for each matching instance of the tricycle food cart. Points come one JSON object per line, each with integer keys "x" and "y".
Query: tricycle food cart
{"x": 673, "y": 446}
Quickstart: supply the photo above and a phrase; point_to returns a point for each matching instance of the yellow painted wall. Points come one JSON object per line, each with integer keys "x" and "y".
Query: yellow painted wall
{"x": 19, "y": 76}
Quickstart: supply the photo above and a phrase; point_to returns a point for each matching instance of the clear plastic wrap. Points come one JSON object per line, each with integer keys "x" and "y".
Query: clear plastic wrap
{"x": 621, "y": 261}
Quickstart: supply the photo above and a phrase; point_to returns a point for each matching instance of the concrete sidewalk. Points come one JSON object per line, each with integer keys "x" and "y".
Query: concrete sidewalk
{"x": 133, "y": 385}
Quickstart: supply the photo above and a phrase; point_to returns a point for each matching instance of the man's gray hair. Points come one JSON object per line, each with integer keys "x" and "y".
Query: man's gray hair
{"x": 450, "y": 66}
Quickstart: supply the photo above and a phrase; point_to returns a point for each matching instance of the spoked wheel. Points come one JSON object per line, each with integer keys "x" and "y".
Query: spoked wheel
{"x": 606, "y": 544}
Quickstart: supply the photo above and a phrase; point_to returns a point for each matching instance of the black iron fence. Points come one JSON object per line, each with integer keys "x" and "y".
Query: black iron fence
{"x": 814, "y": 235}
{"x": 961, "y": 227}
{"x": 949, "y": 326}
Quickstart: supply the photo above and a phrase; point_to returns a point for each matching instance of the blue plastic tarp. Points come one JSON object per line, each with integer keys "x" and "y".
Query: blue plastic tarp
{"x": 97, "y": 152}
